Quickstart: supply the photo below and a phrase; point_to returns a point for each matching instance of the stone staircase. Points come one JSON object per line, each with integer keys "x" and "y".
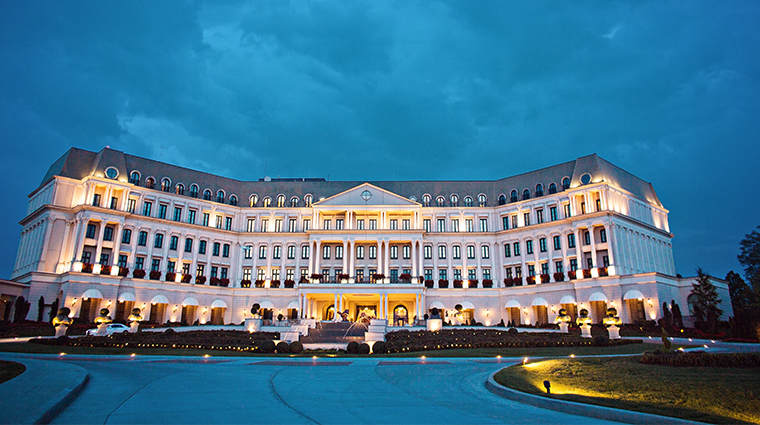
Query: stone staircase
{"x": 341, "y": 332}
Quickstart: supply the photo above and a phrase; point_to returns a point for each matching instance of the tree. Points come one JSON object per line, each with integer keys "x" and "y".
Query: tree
{"x": 22, "y": 309}
{"x": 705, "y": 302}
{"x": 677, "y": 317}
{"x": 54, "y": 309}
{"x": 40, "y": 308}
{"x": 667, "y": 320}
{"x": 742, "y": 300}
{"x": 749, "y": 258}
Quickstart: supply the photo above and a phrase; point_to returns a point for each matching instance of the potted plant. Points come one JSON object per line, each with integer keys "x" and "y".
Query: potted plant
{"x": 106, "y": 269}
{"x": 253, "y": 324}
{"x": 405, "y": 278}
{"x": 289, "y": 283}
{"x": 138, "y": 274}
{"x": 508, "y": 282}
{"x": 487, "y": 283}
{"x": 274, "y": 284}
{"x": 343, "y": 278}
{"x": 186, "y": 277}
{"x": 258, "y": 283}
{"x": 87, "y": 268}
{"x": 571, "y": 275}
{"x": 443, "y": 283}
{"x": 559, "y": 277}
{"x": 224, "y": 282}
{"x": 200, "y": 280}
{"x": 245, "y": 283}
{"x": 214, "y": 281}
{"x": 316, "y": 278}
{"x": 170, "y": 276}
{"x": 473, "y": 283}
{"x": 531, "y": 280}
{"x": 123, "y": 271}
{"x": 155, "y": 275}
{"x": 586, "y": 273}
{"x": 303, "y": 279}
{"x": 544, "y": 277}
{"x": 429, "y": 283}
{"x": 603, "y": 271}
{"x": 457, "y": 283}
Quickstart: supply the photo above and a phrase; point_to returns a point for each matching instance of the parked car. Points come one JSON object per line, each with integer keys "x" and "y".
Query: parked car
{"x": 113, "y": 328}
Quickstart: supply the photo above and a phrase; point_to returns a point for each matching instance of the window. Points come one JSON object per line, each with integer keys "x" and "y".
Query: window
{"x": 248, "y": 252}
{"x": 583, "y": 208}
{"x": 455, "y": 225}
{"x": 191, "y": 216}
{"x": 177, "y": 214}
{"x": 373, "y": 252}
{"x": 166, "y": 185}
{"x": 207, "y": 195}
{"x": 214, "y": 271}
{"x": 264, "y": 225}
{"x": 514, "y": 221}
{"x": 565, "y": 183}
{"x": 246, "y": 274}
{"x": 467, "y": 201}
{"x": 428, "y": 274}
{"x": 456, "y": 252}
{"x": 526, "y": 218}
{"x": 276, "y": 252}
{"x": 406, "y": 223}
{"x": 539, "y": 190}
{"x": 146, "y": 208}
{"x": 531, "y": 270}
{"x": 131, "y": 206}
{"x": 507, "y": 252}
{"x": 360, "y": 224}
{"x": 394, "y": 224}
{"x": 441, "y": 252}
{"x": 253, "y": 200}
{"x": 485, "y": 252}
{"x": 513, "y": 196}
{"x": 482, "y": 200}
{"x": 394, "y": 252}
{"x": 372, "y": 224}
{"x": 218, "y": 221}
{"x": 280, "y": 201}
{"x": 233, "y": 200}
{"x": 573, "y": 264}
{"x": 292, "y": 225}
{"x": 440, "y": 201}
{"x": 442, "y": 274}
{"x": 470, "y": 252}
{"x": 294, "y": 202}
{"x": 516, "y": 248}
{"x": 150, "y": 183}
{"x": 589, "y": 263}
{"x": 202, "y": 247}
{"x": 526, "y": 194}
{"x": 457, "y": 274}
{"x": 122, "y": 261}
{"x": 162, "y": 211}
{"x": 529, "y": 246}
{"x": 359, "y": 252}
{"x": 339, "y": 252}
{"x": 215, "y": 249}
{"x": 226, "y": 250}
{"x": 553, "y": 213}
{"x": 468, "y": 225}
{"x": 227, "y": 223}
{"x": 338, "y": 224}
{"x": 170, "y": 266}
{"x": 142, "y": 238}
{"x": 126, "y": 236}
{"x": 486, "y": 274}
{"x": 505, "y": 223}
{"x": 483, "y": 224}
{"x": 86, "y": 257}
{"x": 326, "y": 224}
{"x": 134, "y": 178}
{"x": 502, "y": 199}
{"x": 251, "y": 227}
{"x": 96, "y": 200}
{"x": 173, "y": 242}
{"x": 454, "y": 201}
{"x": 598, "y": 205}
{"x": 471, "y": 274}
{"x": 206, "y": 217}
{"x": 539, "y": 216}
{"x": 104, "y": 259}
{"x": 508, "y": 272}
{"x": 542, "y": 245}
{"x": 307, "y": 200}
{"x": 586, "y": 237}
{"x": 558, "y": 266}
{"x": 566, "y": 208}
{"x": 426, "y": 200}
{"x": 199, "y": 271}
{"x": 188, "y": 244}
{"x": 108, "y": 233}
{"x": 557, "y": 243}
{"x": 220, "y": 196}
{"x": 406, "y": 252}
{"x": 602, "y": 235}
{"x": 605, "y": 261}
{"x": 544, "y": 268}
{"x": 441, "y": 225}
{"x": 194, "y": 191}
{"x": 114, "y": 202}
{"x": 306, "y": 225}
{"x": 571, "y": 240}
{"x": 158, "y": 242}
{"x": 552, "y": 188}
{"x": 326, "y": 252}
{"x": 427, "y": 252}
{"x": 262, "y": 252}
{"x": 155, "y": 265}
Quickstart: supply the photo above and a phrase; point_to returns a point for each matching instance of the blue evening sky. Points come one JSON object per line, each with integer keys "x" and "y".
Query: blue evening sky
{"x": 380, "y": 90}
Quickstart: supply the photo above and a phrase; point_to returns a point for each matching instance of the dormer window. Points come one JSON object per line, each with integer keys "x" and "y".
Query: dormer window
{"x": 526, "y": 194}
{"x": 539, "y": 190}
{"x": 180, "y": 189}
{"x": 440, "y": 201}
{"x": 254, "y": 200}
{"x": 267, "y": 202}
{"x": 468, "y": 201}
{"x": 166, "y": 185}
{"x": 426, "y": 200}
{"x": 513, "y": 196}
{"x": 280, "y": 201}
{"x": 482, "y": 200}
{"x": 233, "y": 200}
{"x": 454, "y": 201}
{"x": 565, "y": 183}
{"x": 207, "y": 195}
{"x": 502, "y": 199}
{"x": 220, "y": 196}
{"x": 294, "y": 202}
{"x": 134, "y": 178}
{"x": 194, "y": 190}
{"x": 307, "y": 200}
{"x": 150, "y": 183}
{"x": 552, "y": 188}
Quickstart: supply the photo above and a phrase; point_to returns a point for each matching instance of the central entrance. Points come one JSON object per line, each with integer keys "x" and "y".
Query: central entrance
{"x": 363, "y": 313}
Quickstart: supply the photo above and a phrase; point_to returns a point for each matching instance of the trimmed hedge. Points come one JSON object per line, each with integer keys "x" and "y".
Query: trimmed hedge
{"x": 700, "y": 359}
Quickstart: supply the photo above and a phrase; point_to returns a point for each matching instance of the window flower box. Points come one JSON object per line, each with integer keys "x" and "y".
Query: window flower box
{"x": 274, "y": 284}
{"x": 559, "y": 277}
{"x": 586, "y": 273}
{"x": 123, "y": 271}
{"x": 258, "y": 283}
{"x": 224, "y": 282}
{"x": 170, "y": 276}
{"x": 186, "y": 278}
{"x": 155, "y": 275}
{"x": 138, "y": 274}
{"x": 289, "y": 283}
{"x": 429, "y": 283}
{"x": 443, "y": 283}
{"x": 405, "y": 278}
{"x": 87, "y": 267}
{"x": 571, "y": 275}
{"x": 303, "y": 279}
{"x": 105, "y": 269}
{"x": 245, "y": 283}
{"x": 508, "y": 282}
{"x": 472, "y": 283}
{"x": 457, "y": 283}
{"x": 214, "y": 281}
{"x": 544, "y": 277}
{"x": 531, "y": 280}
{"x": 200, "y": 280}
{"x": 487, "y": 283}
{"x": 603, "y": 271}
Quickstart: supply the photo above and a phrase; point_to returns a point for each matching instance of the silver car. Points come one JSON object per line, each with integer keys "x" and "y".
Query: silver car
{"x": 113, "y": 328}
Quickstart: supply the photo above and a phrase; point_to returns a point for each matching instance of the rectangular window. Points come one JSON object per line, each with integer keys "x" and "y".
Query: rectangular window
{"x": 142, "y": 238}
{"x": 177, "y": 213}
{"x": 290, "y": 274}
{"x": 394, "y": 224}
{"x": 602, "y": 235}
{"x": 485, "y": 252}
{"x": 529, "y": 247}
{"x": 483, "y": 224}
{"x": 394, "y": 275}
{"x": 114, "y": 202}
{"x": 90, "y": 231}
{"x": 262, "y": 252}
{"x": 507, "y": 252}
{"x": 553, "y": 213}
{"x": 441, "y": 252}
{"x": 326, "y": 252}
{"x": 605, "y": 261}
{"x": 122, "y": 261}
{"x": 96, "y": 200}
{"x": 146, "y": 208}
{"x": 468, "y": 225}
{"x": 227, "y": 223}
{"x": 441, "y": 225}
{"x": 104, "y": 259}
{"x": 557, "y": 243}
{"x": 566, "y": 207}
{"x": 108, "y": 233}
{"x": 248, "y": 252}
{"x": 471, "y": 274}
{"x": 338, "y": 224}
{"x": 275, "y": 273}
{"x": 372, "y": 224}
{"x": 261, "y": 274}
{"x": 598, "y": 205}
{"x": 589, "y": 263}
{"x": 586, "y": 237}
{"x": 202, "y": 247}
{"x": 542, "y": 245}
{"x": 264, "y": 225}
{"x": 544, "y": 268}
{"x": 428, "y": 274}
{"x": 516, "y": 248}
{"x": 131, "y": 205}
{"x": 292, "y": 225}
{"x": 158, "y": 242}
{"x": 442, "y": 274}
{"x": 155, "y": 265}
{"x": 226, "y": 250}
{"x": 470, "y": 252}
{"x": 508, "y": 272}
{"x": 251, "y": 227}
{"x": 276, "y": 252}
{"x": 583, "y": 208}
{"x": 326, "y": 224}
{"x": 394, "y": 252}
{"x": 173, "y": 242}
{"x": 426, "y": 224}
{"x": 126, "y": 236}
{"x": 305, "y": 252}
{"x": 427, "y": 251}
{"x": 514, "y": 221}
{"x": 339, "y": 252}
{"x": 170, "y": 266}
{"x": 304, "y": 272}
{"x": 372, "y": 252}
{"x": 539, "y": 216}
{"x": 406, "y": 223}
{"x": 218, "y": 221}
{"x": 573, "y": 264}
{"x": 291, "y": 252}
{"x": 454, "y": 224}
{"x": 486, "y": 274}
{"x": 214, "y": 271}
{"x": 457, "y": 274}
{"x": 558, "y": 266}
{"x": 306, "y": 225}
{"x": 360, "y": 224}
{"x": 406, "y": 252}
{"x": 162, "y": 211}
{"x": 224, "y": 273}
{"x": 505, "y": 223}
{"x": 278, "y": 225}
{"x": 191, "y": 216}
{"x": 140, "y": 263}
{"x": 200, "y": 269}
{"x": 246, "y": 274}
{"x": 456, "y": 252}
{"x": 215, "y": 249}
{"x": 206, "y": 218}
{"x": 531, "y": 270}
{"x": 359, "y": 252}
{"x": 571, "y": 240}
{"x": 526, "y": 219}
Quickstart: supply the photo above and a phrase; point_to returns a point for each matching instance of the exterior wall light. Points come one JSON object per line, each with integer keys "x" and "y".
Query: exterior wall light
{"x": 74, "y": 301}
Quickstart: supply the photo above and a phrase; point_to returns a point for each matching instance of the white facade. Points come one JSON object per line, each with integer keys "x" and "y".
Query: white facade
{"x": 93, "y": 211}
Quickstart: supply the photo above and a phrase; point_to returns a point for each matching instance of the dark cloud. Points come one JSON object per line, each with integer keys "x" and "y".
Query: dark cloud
{"x": 397, "y": 90}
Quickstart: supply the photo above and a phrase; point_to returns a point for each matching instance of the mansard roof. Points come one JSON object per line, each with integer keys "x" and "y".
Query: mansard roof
{"x": 79, "y": 163}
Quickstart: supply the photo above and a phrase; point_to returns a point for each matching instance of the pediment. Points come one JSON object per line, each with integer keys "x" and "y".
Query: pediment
{"x": 375, "y": 196}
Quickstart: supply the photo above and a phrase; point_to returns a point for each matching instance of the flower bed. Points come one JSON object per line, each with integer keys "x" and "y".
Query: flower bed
{"x": 701, "y": 359}
{"x": 404, "y": 341}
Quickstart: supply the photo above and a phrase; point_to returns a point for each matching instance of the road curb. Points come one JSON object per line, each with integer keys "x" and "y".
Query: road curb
{"x": 45, "y": 413}
{"x": 598, "y": 412}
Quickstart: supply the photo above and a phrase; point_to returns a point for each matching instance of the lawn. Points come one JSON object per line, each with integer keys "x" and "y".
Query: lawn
{"x": 704, "y": 394}
{"x": 10, "y": 370}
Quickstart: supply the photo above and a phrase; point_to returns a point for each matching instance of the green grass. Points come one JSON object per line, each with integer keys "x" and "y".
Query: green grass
{"x": 24, "y": 347}
{"x": 705, "y": 394}
{"x": 10, "y": 370}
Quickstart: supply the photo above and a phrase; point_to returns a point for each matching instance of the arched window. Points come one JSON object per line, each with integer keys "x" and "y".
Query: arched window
{"x": 166, "y": 185}
{"x": 180, "y": 189}
{"x": 565, "y": 183}
{"x": 150, "y": 182}
{"x": 413, "y": 198}
{"x": 254, "y": 200}
{"x": 482, "y": 200}
{"x": 267, "y": 202}
{"x": 307, "y": 200}
{"x": 220, "y": 196}
{"x": 502, "y": 199}
{"x": 440, "y": 201}
{"x": 134, "y": 178}
{"x": 539, "y": 190}
{"x": 194, "y": 190}
{"x": 526, "y": 194}
{"x": 513, "y": 196}
{"x": 207, "y": 195}
{"x": 454, "y": 201}
{"x": 552, "y": 188}
{"x": 468, "y": 201}
{"x": 294, "y": 201}
{"x": 280, "y": 201}
{"x": 426, "y": 200}
{"x": 233, "y": 200}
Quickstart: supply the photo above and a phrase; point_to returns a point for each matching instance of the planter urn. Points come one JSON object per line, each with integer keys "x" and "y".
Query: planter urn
{"x": 62, "y": 321}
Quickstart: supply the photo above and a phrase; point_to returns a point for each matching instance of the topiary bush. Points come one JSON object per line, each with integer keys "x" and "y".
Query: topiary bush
{"x": 512, "y": 331}
{"x": 169, "y": 331}
{"x": 364, "y": 348}
{"x": 380, "y": 348}
{"x": 267, "y": 346}
{"x": 296, "y": 347}
{"x": 352, "y": 347}
{"x": 283, "y": 347}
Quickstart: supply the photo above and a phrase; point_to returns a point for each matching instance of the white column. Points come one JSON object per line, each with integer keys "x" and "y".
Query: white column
{"x": 79, "y": 240}
{"x": 335, "y": 307}
{"x": 387, "y": 259}
{"x": 99, "y": 248}
{"x": 413, "y": 252}
{"x": 593, "y": 246}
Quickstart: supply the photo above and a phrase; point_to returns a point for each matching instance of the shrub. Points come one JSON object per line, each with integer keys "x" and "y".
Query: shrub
{"x": 700, "y": 359}
{"x": 155, "y": 275}
{"x": 363, "y": 348}
{"x": 457, "y": 283}
{"x": 289, "y": 283}
{"x": 512, "y": 331}
{"x": 170, "y": 276}
{"x": 267, "y": 346}
{"x": 169, "y": 331}
{"x": 296, "y": 347}
{"x": 559, "y": 277}
{"x": 105, "y": 269}
{"x": 200, "y": 280}
{"x": 352, "y": 347}
{"x": 601, "y": 340}
{"x": 487, "y": 283}
{"x": 380, "y": 348}
{"x": 138, "y": 274}
{"x": 443, "y": 283}
{"x": 283, "y": 347}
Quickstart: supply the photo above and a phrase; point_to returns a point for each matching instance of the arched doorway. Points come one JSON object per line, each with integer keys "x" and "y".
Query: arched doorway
{"x": 400, "y": 315}
{"x": 90, "y": 305}
{"x": 158, "y": 309}
{"x": 329, "y": 313}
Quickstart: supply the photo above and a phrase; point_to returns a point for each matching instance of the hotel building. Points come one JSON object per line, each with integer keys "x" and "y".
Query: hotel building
{"x": 108, "y": 229}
